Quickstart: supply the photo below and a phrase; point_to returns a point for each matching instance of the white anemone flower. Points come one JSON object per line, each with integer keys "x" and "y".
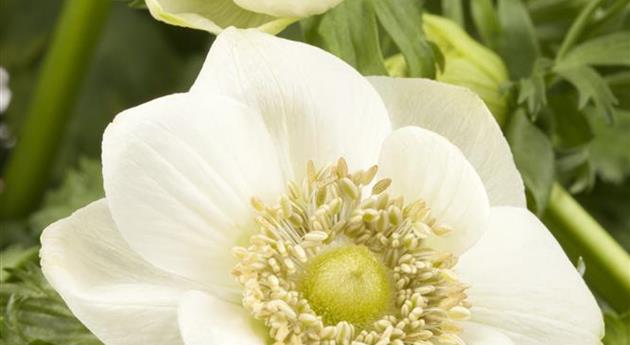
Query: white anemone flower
{"x": 214, "y": 15}
{"x": 286, "y": 199}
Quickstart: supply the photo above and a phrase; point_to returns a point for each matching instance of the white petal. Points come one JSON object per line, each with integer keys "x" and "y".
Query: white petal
{"x": 461, "y": 116}
{"x": 207, "y": 320}
{"x": 213, "y": 16}
{"x": 179, "y": 173}
{"x": 424, "y": 165}
{"x": 476, "y": 334}
{"x": 120, "y": 297}
{"x": 315, "y": 106}
{"x": 288, "y": 8}
{"x": 523, "y": 284}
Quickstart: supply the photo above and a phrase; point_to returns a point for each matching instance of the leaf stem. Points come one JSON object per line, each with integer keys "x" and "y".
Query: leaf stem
{"x": 576, "y": 29}
{"x": 607, "y": 263}
{"x": 73, "y": 44}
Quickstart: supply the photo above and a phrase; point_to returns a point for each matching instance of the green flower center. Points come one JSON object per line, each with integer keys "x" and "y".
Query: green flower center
{"x": 348, "y": 284}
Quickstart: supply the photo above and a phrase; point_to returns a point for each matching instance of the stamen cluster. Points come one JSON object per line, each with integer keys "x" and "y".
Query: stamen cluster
{"x": 325, "y": 211}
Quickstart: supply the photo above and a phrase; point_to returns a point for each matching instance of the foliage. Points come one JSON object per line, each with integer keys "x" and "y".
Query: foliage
{"x": 617, "y": 328}
{"x": 32, "y": 313}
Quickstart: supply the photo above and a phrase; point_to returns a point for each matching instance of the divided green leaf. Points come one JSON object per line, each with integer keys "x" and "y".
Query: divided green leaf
{"x": 591, "y": 87}
{"x": 610, "y": 50}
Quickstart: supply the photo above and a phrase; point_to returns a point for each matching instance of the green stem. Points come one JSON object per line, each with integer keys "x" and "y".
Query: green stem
{"x": 65, "y": 64}
{"x": 577, "y": 28}
{"x": 607, "y": 263}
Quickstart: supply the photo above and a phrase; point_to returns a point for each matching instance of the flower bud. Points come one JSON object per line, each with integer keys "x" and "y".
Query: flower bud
{"x": 467, "y": 63}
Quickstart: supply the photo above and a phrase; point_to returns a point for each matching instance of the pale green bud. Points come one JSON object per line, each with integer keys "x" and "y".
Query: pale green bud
{"x": 467, "y": 63}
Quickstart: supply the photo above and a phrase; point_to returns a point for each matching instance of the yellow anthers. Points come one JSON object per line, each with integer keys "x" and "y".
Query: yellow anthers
{"x": 330, "y": 265}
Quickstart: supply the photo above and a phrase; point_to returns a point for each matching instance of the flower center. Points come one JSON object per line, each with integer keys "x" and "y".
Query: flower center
{"x": 329, "y": 265}
{"x": 348, "y": 284}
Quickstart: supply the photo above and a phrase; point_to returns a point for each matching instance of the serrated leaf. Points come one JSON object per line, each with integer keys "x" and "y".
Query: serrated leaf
{"x": 609, "y": 50}
{"x": 534, "y": 158}
{"x": 35, "y": 314}
{"x": 532, "y": 91}
{"x": 518, "y": 44}
{"x": 402, "y": 20}
{"x": 349, "y": 31}
{"x": 591, "y": 87}
{"x": 617, "y": 329}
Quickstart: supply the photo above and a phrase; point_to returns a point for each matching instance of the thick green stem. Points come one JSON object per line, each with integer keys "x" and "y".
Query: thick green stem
{"x": 607, "y": 263}
{"x": 71, "y": 50}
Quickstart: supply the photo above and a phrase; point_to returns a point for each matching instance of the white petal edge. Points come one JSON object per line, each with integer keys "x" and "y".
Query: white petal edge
{"x": 214, "y": 16}
{"x": 461, "y": 116}
{"x": 524, "y": 285}
{"x": 288, "y": 8}
{"x": 476, "y": 334}
{"x": 207, "y": 320}
{"x": 179, "y": 173}
{"x": 120, "y": 297}
{"x": 424, "y": 165}
{"x": 315, "y": 106}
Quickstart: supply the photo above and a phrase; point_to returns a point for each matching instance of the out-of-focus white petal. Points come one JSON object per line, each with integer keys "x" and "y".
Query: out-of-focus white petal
{"x": 461, "y": 116}
{"x": 213, "y": 16}
{"x": 179, "y": 173}
{"x": 314, "y": 105}
{"x": 288, "y": 8}
{"x": 5, "y": 92}
{"x": 424, "y": 165}
{"x": 476, "y": 334}
{"x": 120, "y": 297}
{"x": 207, "y": 320}
{"x": 524, "y": 285}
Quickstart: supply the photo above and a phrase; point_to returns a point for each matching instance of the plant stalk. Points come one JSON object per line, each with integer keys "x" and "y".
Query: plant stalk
{"x": 66, "y": 62}
{"x": 607, "y": 263}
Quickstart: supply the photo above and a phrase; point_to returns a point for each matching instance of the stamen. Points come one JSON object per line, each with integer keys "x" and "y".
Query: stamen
{"x": 328, "y": 213}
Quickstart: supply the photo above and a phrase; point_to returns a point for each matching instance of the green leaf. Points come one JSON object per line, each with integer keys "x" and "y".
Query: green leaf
{"x": 486, "y": 21}
{"x": 349, "y": 31}
{"x": 609, "y": 50}
{"x": 14, "y": 257}
{"x": 532, "y": 91}
{"x": 80, "y": 186}
{"x": 610, "y": 148}
{"x": 591, "y": 87}
{"x": 518, "y": 44}
{"x": 33, "y": 313}
{"x": 402, "y": 20}
{"x": 534, "y": 158}
{"x": 617, "y": 329}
